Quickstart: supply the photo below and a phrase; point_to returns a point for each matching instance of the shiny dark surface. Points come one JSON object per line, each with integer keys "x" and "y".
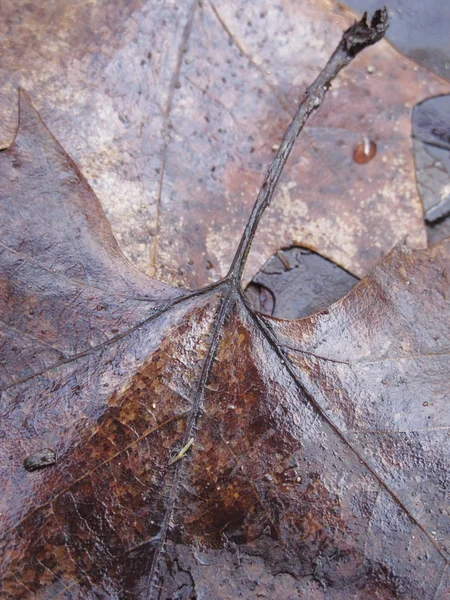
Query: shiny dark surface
{"x": 171, "y": 110}
{"x": 296, "y": 283}
{"x": 320, "y": 456}
{"x": 431, "y": 142}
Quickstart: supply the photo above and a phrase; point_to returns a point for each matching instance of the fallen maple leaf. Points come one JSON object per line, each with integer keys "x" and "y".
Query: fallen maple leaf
{"x": 202, "y": 450}
{"x": 156, "y": 104}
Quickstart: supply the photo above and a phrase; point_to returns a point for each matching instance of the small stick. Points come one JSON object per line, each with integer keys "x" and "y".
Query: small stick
{"x": 360, "y": 35}
{"x": 181, "y": 453}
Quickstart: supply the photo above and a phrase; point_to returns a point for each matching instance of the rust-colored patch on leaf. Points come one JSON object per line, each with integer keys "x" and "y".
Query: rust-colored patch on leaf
{"x": 205, "y": 450}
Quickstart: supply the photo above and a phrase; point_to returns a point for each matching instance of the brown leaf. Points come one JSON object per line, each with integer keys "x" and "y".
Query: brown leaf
{"x": 174, "y": 166}
{"x": 203, "y": 450}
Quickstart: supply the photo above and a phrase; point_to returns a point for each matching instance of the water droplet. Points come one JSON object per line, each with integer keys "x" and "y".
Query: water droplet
{"x": 364, "y": 151}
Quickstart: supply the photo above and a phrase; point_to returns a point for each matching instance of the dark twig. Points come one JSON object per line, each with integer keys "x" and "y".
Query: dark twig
{"x": 353, "y": 41}
{"x": 356, "y": 38}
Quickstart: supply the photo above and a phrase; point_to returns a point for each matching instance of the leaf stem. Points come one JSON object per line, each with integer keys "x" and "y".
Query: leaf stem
{"x": 360, "y": 35}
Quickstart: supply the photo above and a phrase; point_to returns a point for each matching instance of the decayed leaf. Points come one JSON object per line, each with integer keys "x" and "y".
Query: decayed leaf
{"x": 202, "y": 450}
{"x": 157, "y": 104}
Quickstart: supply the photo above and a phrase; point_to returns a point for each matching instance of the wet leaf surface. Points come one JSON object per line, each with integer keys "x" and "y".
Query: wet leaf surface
{"x": 205, "y": 450}
{"x": 171, "y": 109}
{"x": 421, "y": 32}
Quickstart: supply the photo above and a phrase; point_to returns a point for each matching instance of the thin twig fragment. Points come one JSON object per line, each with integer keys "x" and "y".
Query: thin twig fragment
{"x": 357, "y": 37}
{"x": 182, "y": 452}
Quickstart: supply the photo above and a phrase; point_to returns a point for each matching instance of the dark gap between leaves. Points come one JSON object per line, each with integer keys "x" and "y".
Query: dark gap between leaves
{"x": 296, "y": 282}
{"x": 431, "y": 143}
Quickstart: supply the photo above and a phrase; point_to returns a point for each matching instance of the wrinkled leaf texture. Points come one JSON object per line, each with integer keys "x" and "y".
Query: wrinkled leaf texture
{"x": 319, "y": 463}
{"x": 171, "y": 109}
